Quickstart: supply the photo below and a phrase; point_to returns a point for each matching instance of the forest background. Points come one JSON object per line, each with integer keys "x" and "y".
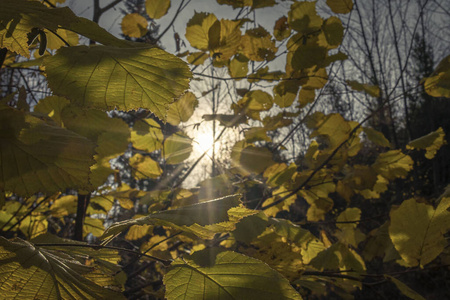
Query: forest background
{"x": 320, "y": 136}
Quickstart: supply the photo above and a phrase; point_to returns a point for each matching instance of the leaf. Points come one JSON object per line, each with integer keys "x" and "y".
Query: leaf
{"x": 147, "y": 135}
{"x": 437, "y": 85}
{"x": 238, "y": 67}
{"x": 339, "y": 256}
{"x": 54, "y": 42}
{"x": 231, "y": 277}
{"x": 177, "y": 148}
{"x": 340, "y": 6}
{"x": 144, "y": 167}
{"x": 157, "y": 8}
{"x": 34, "y": 272}
{"x": 406, "y": 290}
{"x": 285, "y": 92}
{"x": 94, "y": 226}
{"x": 18, "y": 18}
{"x": 224, "y": 39}
{"x": 255, "y": 159}
{"x": 393, "y": 164}
{"x": 199, "y": 219}
{"x": 431, "y": 142}
{"x": 197, "y": 58}
{"x": 38, "y": 157}
{"x": 334, "y": 32}
{"x": 258, "y": 45}
{"x": 372, "y": 90}
{"x": 417, "y": 230}
{"x": 197, "y": 30}
{"x": 182, "y": 109}
{"x": 376, "y": 137}
{"x": 281, "y": 30}
{"x": 303, "y": 17}
{"x": 251, "y": 3}
{"x": 125, "y": 78}
{"x": 64, "y": 206}
{"x": 134, "y": 25}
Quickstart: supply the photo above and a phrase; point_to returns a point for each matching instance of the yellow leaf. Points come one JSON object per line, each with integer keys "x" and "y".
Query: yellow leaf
{"x": 177, "y": 148}
{"x": 100, "y": 205}
{"x": 334, "y": 32}
{"x": 197, "y": 30}
{"x": 157, "y": 8}
{"x": 281, "y": 30}
{"x": 349, "y": 234}
{"x": 125, "y": 78}
{"x": 134, "y": 25}
{"x": 438, "y": 84}
{"x": 197, "y": 58}
{"x": 224, "y": 39}
{"x": 144, "y": 167}
{"x": 376, "y": 137}
{"x": 393, "y": 164}
{"x": 258, "y": 45}
{"x": 417, "y": 230}
{"x": 285, "y": 92}
{"x": 136, "y": 232}
{"x": 182, "y": 109}
{"x": 147, "y": 135}
{"x": 431, "y": 142}
{"x": 303, "y": 17}
{"x": 238, "y": 67}
{"x": 94, "y": 226}
{"x": 256, "y": 159}
{"x": 64, "y": 206}
{"x": 52, "y": 106}
{"x": 340, "y": 6}
{"x": 372, "y": 90}
{"x": 54, "y": 42}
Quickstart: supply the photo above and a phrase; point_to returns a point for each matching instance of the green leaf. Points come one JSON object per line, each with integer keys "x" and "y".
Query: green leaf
{"x": 340, "y": 6}
{"x": 255, "y": 159}
{"x": 182, "y": 109}
{"x": 406, "y": 290}
{"x": 177, "y": 148}
{"x": 30, "y": 272}
{"x": 125, "y": 78}
{"x": 233, "y": 276}
{"x": 438, "y": 84}
{"x": 156, "y": 9}
{"x": 134, "y": 25}
{"x": 417, "y": 229}
{"x": 431, "y": 142}
{"x": 38, "y": 157}
{"x": 197, "y": 218}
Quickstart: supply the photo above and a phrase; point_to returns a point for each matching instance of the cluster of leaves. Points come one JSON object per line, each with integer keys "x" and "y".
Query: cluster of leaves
{"x": 232, "y": 247}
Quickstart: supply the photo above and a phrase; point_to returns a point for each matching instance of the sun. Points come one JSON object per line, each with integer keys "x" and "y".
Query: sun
{"x": 203, "y": 141}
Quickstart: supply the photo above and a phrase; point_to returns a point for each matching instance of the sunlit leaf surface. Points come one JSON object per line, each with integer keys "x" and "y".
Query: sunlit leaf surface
{"x": 107, "y": 77}
{"x": 233, "y": 276}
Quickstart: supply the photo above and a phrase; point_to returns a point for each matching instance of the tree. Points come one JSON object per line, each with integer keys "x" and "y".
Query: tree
{"x": 328, "y": 222}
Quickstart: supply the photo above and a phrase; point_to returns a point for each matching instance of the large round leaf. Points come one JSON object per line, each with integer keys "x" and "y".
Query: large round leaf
{"x": 233, "y": 276}
{"x": 124, "y": 78}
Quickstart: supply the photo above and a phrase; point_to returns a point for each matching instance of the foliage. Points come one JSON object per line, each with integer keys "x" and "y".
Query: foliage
{"x": 259, "y": 230}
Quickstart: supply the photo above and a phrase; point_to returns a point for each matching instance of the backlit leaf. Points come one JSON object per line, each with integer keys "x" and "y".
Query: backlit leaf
{"x": 372, "y": 90}
{"x": 417, "y": 230}
{"x": 199, "y": 218}
{"x": 393, "y": 164}
{"x": 197, "y": 30}
{"x": 340, "y": 6}
{"x": 134, "y": 25}
{"x": 177, "y": 148}
{"x": 431, "y": 142}
{"x": 37, "y": 157}
{"x": 144, "y": 167}
{"x": 303, "y": 17}
{"x": 231, "y": 277}
{"x": 258, "y": 45}
{"x": 238, "y": 67}
{"x": 281, "y": 29}
{"x": 157, "y": 8}
{"x": 34, "y": 272}
{"x": 126, "y": 79}
{"x": 147, "y": 135}
{"x": 437, "y": 85}
{"x": 182, "y": 109}
{"x": 376, "y": 137}
{"x": 255, "y": 159}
